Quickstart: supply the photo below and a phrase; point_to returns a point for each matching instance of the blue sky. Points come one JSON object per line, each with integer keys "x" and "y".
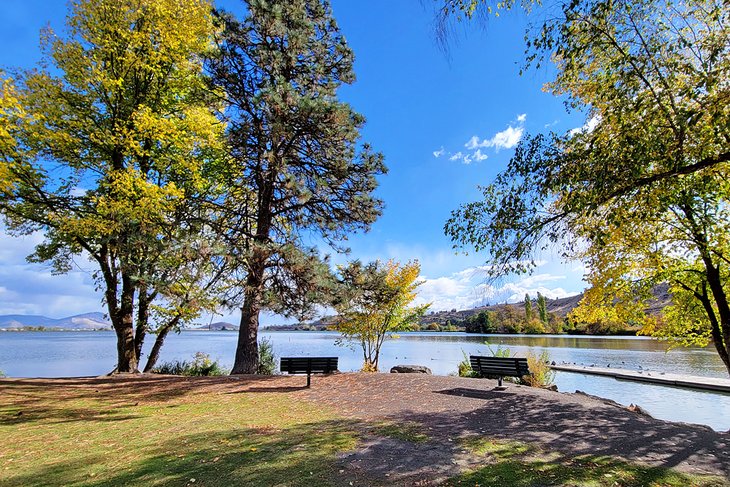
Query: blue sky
{"x": 445, "y": 122}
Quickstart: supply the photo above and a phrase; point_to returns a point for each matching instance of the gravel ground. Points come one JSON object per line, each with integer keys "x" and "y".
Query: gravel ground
{"x": 450, "y": 408}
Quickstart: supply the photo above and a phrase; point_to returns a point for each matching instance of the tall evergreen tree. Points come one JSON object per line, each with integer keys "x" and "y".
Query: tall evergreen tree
{"x": 542, "y": 308}
{"x": 528, "y": 307}
{"x": 296, "y": 168}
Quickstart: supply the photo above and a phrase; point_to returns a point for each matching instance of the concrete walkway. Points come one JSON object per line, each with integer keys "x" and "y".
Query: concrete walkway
{"x": 675, "y": 380}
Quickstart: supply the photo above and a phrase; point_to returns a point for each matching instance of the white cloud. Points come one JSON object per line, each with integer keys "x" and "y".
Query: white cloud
{"x": 507, "y": 138}
{"x": 466, "y": 289}
{"x": 552, "y": 124}
{"x": 478, "y": 156}
{"x": 439, "y": 153}
{"x": 33, "y": 289}
{"x": 587, "y": 127}
{"x": 473, "y": 143}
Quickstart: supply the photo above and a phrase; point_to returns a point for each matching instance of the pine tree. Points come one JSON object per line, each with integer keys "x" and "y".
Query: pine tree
{"x": 542, "y": 308}
{"x": 296, "y": 168}
{"x": 528, "y": 308}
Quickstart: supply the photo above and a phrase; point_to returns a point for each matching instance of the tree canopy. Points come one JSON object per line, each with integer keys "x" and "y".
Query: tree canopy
{"x": 640, "y": 192}
{"x": 296, "y": 168}
{"x": 373, "y": 301}
{"x": 108, "y": 152}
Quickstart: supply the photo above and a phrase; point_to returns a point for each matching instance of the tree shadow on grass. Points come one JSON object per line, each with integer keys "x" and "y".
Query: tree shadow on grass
{"x": 305, "y": 454}
{"x": 586, "y": 470}
{"x": 16, "y": 416}
{"x": 130, "y": 389}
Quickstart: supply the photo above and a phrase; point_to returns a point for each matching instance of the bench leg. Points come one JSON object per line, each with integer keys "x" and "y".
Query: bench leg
{"x": 499, "y": 381}
{"x": 309, "y": 379}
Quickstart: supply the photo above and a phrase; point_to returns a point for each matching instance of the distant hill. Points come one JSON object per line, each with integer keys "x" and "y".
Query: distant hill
{"x": 85, "y": 321}
{"x": 558, "y": 307}
{"x": 217, "y": 326}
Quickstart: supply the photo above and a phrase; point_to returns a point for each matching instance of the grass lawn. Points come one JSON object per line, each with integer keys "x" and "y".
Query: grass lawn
{"x": 200, "y": 432}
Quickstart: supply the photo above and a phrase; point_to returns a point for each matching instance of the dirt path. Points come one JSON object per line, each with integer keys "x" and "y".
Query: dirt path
{"x": 450, "y": 408}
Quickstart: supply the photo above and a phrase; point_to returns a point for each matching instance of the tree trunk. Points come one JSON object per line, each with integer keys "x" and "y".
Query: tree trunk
{"x": 124, "y": 326}
{"x": 247, "y": 349}
{"x": 159, "y": 341}
{"x": 143, "y": 315}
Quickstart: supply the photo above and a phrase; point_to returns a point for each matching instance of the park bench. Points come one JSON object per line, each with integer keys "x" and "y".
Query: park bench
{"x": 308, "y": 365}
{"x": 499, "y": 366}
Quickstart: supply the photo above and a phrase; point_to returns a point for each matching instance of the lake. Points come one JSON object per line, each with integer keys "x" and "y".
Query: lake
{"x": 67, "y": 354}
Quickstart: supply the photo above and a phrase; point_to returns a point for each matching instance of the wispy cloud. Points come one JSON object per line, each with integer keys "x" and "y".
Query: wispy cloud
{"x": 33, "y": 289}
{"x": 506, "y": 139}
{"x": 587, "y": 127}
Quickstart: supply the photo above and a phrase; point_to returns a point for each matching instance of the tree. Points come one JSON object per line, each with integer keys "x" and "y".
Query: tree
{"x": 10, "y": 109}
{"x": 528, "y": 306}
{"x": 542, "y": 308}
{"x": 641, "y": 192}
{"x": 296, "y": 169}
{"x": 374, "y": 301}
{"x": 107, "y": 153}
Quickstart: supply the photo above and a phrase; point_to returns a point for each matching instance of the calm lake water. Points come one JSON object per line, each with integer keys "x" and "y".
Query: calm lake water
{"x": 67, "y": 354}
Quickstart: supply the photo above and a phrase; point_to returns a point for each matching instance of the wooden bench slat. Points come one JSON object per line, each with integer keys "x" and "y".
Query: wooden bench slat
{"x": 308, "y": 365}
{"x": 499, "y": 366}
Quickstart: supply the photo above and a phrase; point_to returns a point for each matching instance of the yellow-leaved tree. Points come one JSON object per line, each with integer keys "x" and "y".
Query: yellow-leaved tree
{"x": 373, "y": 301}
{"x": 107, "y": 156}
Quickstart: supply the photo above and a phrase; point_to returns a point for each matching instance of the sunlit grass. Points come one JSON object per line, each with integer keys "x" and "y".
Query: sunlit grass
{"x": 215, "y": 439}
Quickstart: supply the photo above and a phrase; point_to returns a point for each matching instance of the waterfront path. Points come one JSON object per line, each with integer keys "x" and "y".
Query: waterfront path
{"x": 662, "y": 378}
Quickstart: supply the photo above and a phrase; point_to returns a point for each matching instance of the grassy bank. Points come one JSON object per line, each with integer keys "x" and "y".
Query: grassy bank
{"x": 209, "y": 431}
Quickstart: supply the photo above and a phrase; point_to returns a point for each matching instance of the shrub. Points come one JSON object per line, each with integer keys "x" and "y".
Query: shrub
{"x": 202, "y": 365}
{"x": 465, "y": 369}
{"x": 368, "y": 367}
{"x": 499, "y": 352}
{"x": 541, "y": 375}
{"x": 267, "y": 358}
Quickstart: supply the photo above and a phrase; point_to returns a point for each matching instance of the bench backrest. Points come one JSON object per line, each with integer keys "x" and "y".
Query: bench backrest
{"x": 509, "y": 366}
{"x": 308, "y": 365}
